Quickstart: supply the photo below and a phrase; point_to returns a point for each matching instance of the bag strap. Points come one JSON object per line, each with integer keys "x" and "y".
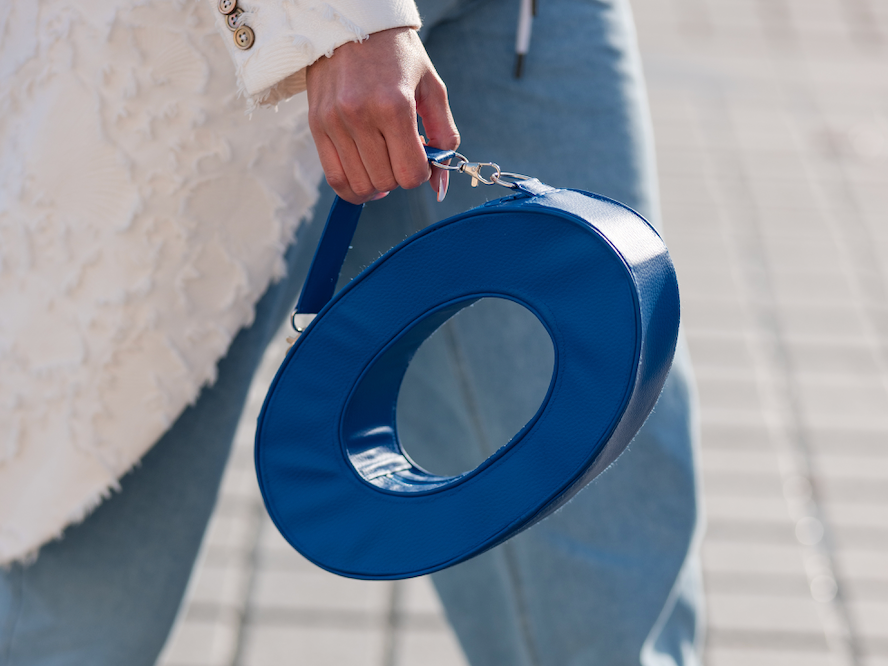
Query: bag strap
{"x": 320, "y": 284}
{"x": 323, "y": 274}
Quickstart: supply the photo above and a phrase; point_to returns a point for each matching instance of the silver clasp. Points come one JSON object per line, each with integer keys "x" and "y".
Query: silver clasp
{"x": 473, "y": 170}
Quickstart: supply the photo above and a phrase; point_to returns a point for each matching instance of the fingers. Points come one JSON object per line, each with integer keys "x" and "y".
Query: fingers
{"x": 334, "y": 171}
{"x": 370, "y": 150}
{"x": 437, "y": 120}
{"x": 363, "y": 102}
{"x": 434, "y": 109}
{"x": 410, "y": 165}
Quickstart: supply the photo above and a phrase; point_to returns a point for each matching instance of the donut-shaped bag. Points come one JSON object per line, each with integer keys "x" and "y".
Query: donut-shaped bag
{"x": 333, "y": 475}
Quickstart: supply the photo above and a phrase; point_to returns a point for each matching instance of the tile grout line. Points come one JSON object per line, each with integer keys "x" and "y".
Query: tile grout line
{"x": 257, "y": 512}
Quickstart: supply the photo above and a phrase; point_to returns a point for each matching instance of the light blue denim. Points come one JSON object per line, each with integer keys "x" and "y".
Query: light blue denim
{"x": 611, "y": 579}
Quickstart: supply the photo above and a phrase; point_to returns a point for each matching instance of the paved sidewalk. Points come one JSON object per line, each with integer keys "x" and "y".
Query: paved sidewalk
{"x": 772, "y": 130}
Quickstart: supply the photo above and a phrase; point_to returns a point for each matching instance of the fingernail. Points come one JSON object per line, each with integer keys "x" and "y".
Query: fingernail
{"x": 379, "y": 195}
{"x": 443, "y": 184}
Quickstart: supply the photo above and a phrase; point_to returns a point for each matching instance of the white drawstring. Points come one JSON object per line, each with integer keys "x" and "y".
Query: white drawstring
{"x": 522, "y": 38}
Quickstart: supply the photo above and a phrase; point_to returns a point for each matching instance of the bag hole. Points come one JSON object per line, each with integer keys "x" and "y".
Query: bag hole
{"x": 473, "y": 385}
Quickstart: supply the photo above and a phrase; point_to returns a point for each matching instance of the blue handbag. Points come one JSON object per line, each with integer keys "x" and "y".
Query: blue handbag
{"x": 333, "y": 475}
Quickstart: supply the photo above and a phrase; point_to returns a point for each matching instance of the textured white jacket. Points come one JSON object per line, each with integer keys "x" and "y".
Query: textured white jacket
{"x": 142, "y": 215}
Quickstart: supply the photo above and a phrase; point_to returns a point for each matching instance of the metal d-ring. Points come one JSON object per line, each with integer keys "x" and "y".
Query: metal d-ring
{"x": 513, "y": 179}
{"x": 300, "y": 320}
{"x": 452, "y": 167}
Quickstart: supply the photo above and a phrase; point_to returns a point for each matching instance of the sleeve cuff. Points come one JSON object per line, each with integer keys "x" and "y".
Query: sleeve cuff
{"x": 288, "y": 38}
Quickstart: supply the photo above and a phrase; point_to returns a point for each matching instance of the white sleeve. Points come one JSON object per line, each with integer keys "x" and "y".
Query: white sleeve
{"x": 286, "y": 36}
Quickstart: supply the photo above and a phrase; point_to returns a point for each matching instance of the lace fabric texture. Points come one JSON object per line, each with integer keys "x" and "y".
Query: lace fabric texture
{"x": 142, "y": 215}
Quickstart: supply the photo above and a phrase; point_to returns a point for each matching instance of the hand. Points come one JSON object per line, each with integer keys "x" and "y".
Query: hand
{"x": 363, "y": 102}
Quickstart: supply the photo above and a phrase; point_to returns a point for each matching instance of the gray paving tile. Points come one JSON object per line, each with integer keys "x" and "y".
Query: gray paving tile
{"x": 837, "y": 466}
{"x": 425, "y": 648}
{"x": 239, "y": 482}
{"x": 311, "y": 646}
{"x": 735, "y": 436}
{"x": 864, "y": 589}
{"x": 230, "y": 531}
{"x": 847, "y": 398}
{"x": 202, "y": 643}
{"x": 734, "y": 418}
{"x": 767, "y": 511}
{"x": 857, "y": 536}
{"x": 853, "y": 440}
{"x": 858, "y": 514}
{"x": 750, "y": 532}
{"x": 418, "y": 596}
{"x": 715, "y": 286}
{"x": 741, "y": 461}
{"x": 764, "y": 484}
{"x": 728, "y": 394}
{"x": 863, "y": 564}
{"x": 718, "y": 313}
{"x": 317, "y": 589}
{"x": 853, "y": 490}
{"x": 752, "y": 559}
{"x": 711, "y": 350}
{"x": 734, "y": 657}
{"x": 820, "y": 287}
{"x": 220, "y": 584}
{"x": 772, "y": 585}
{"x": 845, "y": 359}
{"x": 871, "y": 617}
{"x": 763, "y": 613}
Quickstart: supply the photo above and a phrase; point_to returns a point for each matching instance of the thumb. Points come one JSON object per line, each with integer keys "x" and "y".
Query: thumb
{"x": 434, "y": 109}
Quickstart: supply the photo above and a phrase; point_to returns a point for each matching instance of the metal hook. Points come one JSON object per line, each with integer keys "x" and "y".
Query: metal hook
{"x": 473, "y": 170}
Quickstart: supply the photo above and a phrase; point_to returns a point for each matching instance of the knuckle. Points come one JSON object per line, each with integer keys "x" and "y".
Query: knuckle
{"x": 351, "y": 109}
{"x": 364, "y": 190}
{"x": 385, "y": 184}
{"x": 337, "y": 181}
{"x": 413, "y": 177}
{"x": 392, "y": 104}
{"x": 449, "y": 141}
{"x": 351, "y": 197}
{"x": 331, "y": 118}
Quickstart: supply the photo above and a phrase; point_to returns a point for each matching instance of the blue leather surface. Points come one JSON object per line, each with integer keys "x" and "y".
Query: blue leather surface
{"x": 332, "y": 473}
{"x": 438, "y": 154}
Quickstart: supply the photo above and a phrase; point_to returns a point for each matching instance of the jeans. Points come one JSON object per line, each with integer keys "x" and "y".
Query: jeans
{"x": 613, "y": 577}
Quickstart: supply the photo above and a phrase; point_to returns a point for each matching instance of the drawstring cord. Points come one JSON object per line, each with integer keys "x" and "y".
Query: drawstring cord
{"x": 522, "y": 37}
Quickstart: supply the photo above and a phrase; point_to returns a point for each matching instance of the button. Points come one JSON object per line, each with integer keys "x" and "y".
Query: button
{"x": 231, "y": 19}
{"x": 244, "y": 38}
{"x": 227, "y": 6}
